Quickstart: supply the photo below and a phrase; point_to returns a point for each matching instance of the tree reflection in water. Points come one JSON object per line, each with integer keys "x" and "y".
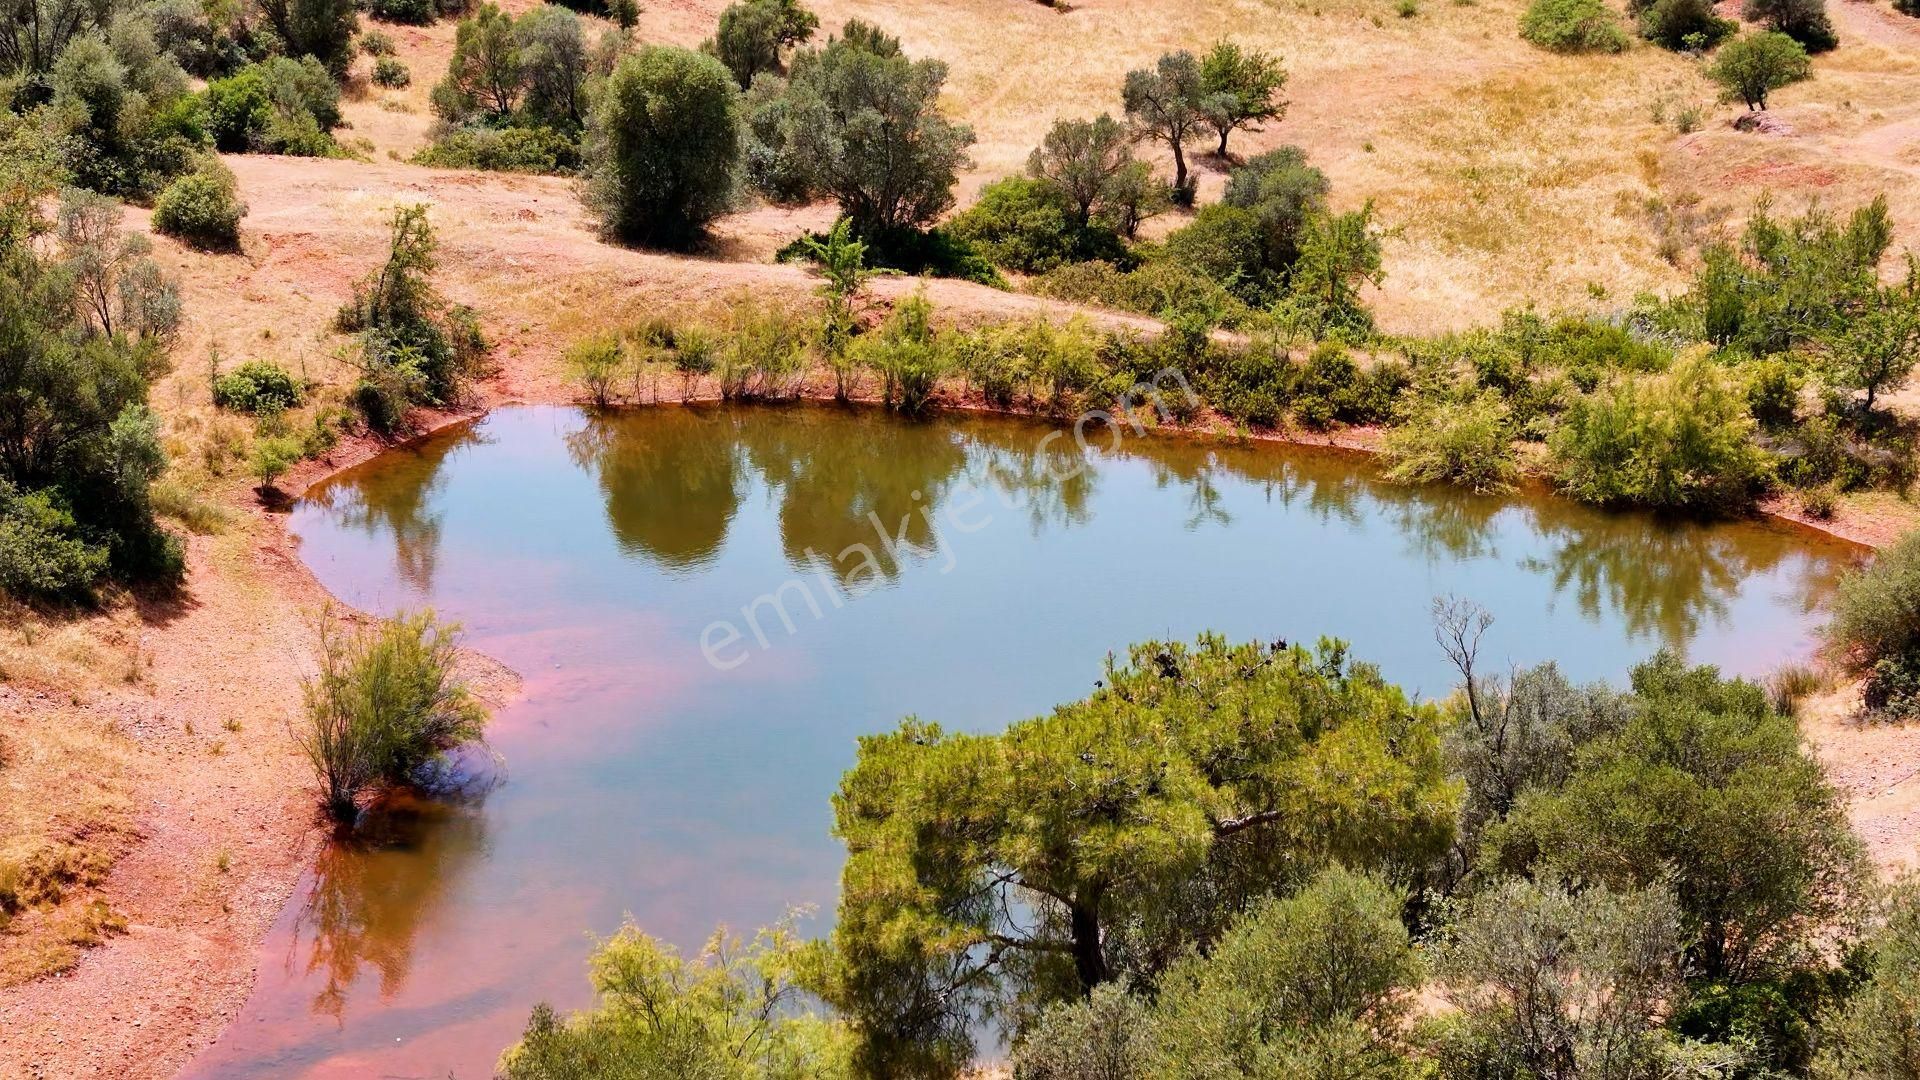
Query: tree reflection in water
{"x": 672, "y": 484}
{"x": 402, "y": 506}
{"x": 371, "y": 889}
{"x": 672, "y": 481}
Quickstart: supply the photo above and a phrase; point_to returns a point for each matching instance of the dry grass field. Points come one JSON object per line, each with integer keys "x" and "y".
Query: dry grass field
{"x": 1506, "y": 175}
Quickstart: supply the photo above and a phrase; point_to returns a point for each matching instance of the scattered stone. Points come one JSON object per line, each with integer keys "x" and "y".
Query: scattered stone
{"x": 1762, "y": 122}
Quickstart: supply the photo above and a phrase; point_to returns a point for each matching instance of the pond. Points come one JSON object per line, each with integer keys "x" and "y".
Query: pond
{"x": 710, "y": 605}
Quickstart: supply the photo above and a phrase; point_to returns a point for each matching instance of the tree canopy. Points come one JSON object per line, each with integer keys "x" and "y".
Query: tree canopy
{"x": 1106, "y": 838}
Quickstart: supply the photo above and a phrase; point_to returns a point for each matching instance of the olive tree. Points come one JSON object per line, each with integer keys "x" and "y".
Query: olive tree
{"x": 1283, "y": 193}
{"x": 484, "y": 75}
{"x": 1105, "y": 839}
{"x": 1083, "y": 159}
{"x": 663, "y": 147}
{"x": 1549, "y": 982}
{"x": 1752, "y": 66}
{"x": 752, "y": 35}
{"x": 863, "y": 123}
{"x": 1241, "y": 87}
{"x": 1167, "y": 103}
{"x": 554, "y": 65}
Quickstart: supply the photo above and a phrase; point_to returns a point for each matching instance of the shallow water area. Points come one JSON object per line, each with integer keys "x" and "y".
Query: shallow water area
{"x": 710, "y": 605}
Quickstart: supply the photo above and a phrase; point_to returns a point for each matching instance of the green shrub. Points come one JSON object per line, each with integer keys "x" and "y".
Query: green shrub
{"x": 906, "y": 355}
{"x": 385, "y": 701}
{"x": 1465, "y": 443}
{"x": 1029, "y": 225}
{"x": 736, "y": 1012}
{"x": 1542, "y": 974}
{"x": 257, "y": 386}
{"x": 1690, "y": 25}
{"x": 1331, "y": 389}
{"x": 1159, "y": 287}
{"x": 595, "y": 363}
{"x": 390, "y": 72}
{"x": 417, "y": 12}
{"x": 1223, "y": 244}
{"x": 1573, "y": 26}
{"x": 513, "y": 149}
{"x": 1283, "y": 193}
{"x": 415, "y": 348}
{"x": 1773, "y": 393}
{"x": 277, "y": 106}
{"x": 1869, "y": 1034}
{"x": 376, "y": 43}
{"x": 88, "y": 318}
{"x": 1875, "y": 629}
{"x": 1681, "y": 440}
{"x": 41, "y": 551}
{"x": 202, "y": 208}
{"x": 1752, "y": 66}
{"x": 1805, "y": 21}
{"x": 1320, "y": 976}
{"x": 272, "y": 457}
{"x": 1702, "y": 774}
{"x": 663, "y": 148}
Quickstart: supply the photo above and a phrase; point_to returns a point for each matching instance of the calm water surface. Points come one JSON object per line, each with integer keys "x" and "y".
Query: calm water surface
{"x": 595, "y": 554}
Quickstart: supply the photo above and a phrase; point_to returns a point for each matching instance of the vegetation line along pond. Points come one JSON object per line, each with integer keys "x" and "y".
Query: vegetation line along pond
{"x": 592, "y": 550}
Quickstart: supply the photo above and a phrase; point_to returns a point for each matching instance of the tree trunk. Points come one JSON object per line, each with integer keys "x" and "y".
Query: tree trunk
{"x": 1179, "y": 167}
{"x": 1224, "y": 132}
{"x": 1089, "y": 961}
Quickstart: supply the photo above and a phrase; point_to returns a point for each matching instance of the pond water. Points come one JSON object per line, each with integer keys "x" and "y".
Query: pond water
{"x": 673, "y": 753}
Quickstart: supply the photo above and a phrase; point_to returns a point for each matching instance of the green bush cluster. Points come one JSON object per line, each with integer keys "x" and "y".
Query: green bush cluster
{"x": 277, "y": 106}
{"x": 518, "y": 92}
{"x": 391, "y": 73}
{"x": 202, "y": 207}
{"x": 258, "y": 386}
{"x": 417, "y": 12}
{"x": 1573, "y": 26}
{"x": 415, "y": 348}
{"x": 1678, "y": 440}
{"x": 1875, "y": 629}
{"x": 513, "y": 149}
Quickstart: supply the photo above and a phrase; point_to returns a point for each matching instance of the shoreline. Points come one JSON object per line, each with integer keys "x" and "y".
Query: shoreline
{"x": 191, "y": 997}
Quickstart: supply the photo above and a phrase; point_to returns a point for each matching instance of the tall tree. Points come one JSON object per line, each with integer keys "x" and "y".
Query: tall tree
{"x": 663, "y": 151}
{"x": 752, "y": 35}
{"x": 485, "y": 73}
{"x": 864, "y": 123}
{"x": 1082, "y": 158}
{"x": 554, "y": 66}
{"x": 1241, "y": 87}
{"x": 1167, "y": 103}
{"x": 1877, "y": 344}
{"x": 1115, "y": 833}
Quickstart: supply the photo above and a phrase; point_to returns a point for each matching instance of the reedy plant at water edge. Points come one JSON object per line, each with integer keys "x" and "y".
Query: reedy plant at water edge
{"x": 386, "y": 699}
